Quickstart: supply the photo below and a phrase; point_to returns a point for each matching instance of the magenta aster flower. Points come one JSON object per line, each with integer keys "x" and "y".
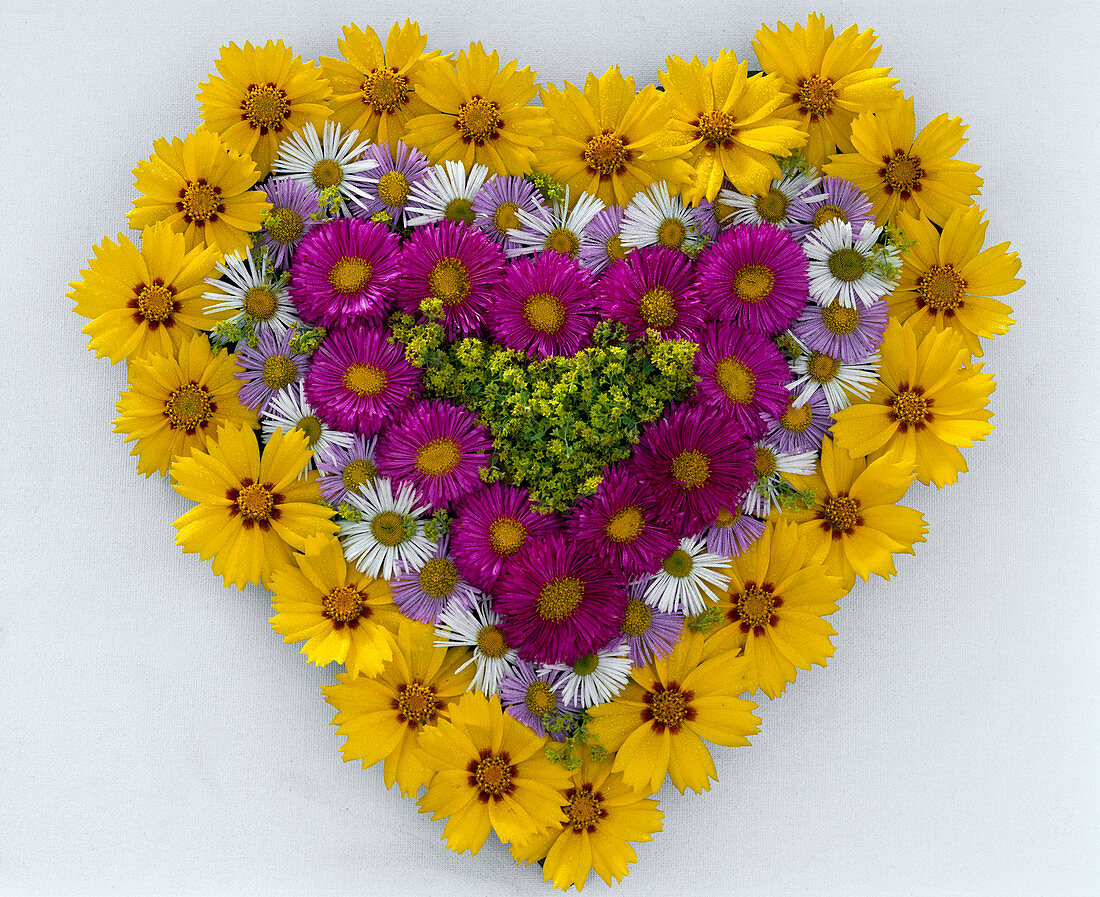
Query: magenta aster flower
{"x": 267, "y": 368}
{"x": 455, "y": 264}
{"x": 834, "y": 198}
{"x": 755, "y": 276}
{"x": 733, "y": 532}
{"x": 545, "y": 306}
{"x": 343, "y": 272}
{"x": 344, "y": 469}
{"x": 849, "y": 334}
{"x": 623, "y": 524}
{"x": 602, "y": 242}
{"x": 496, "y": 205}
{"x": 357, "y": 381}
{"x": 558, "y": 602}
{"x": 493, "y": 524}
{"x": 423, "y": 590}
{"x": 653, "y": 289}
{"x": 531, "y": 693}
{"x": 389, "y": 184}
{"x": 742, "y": 372}
{"x": 439, "y": 448}
{"x": 800, "y": 429}
{"x": 697, "y": 461}
{"x": 289, "y": 220}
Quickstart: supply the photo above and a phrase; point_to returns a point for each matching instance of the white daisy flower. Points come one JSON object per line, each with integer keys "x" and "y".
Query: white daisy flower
{"x": 846, "y": 267}
{"x": 595, "y": 678}
{"x": 252, "y": 293}
{"x": 332, "y": 160}
{"x": 477, "y": 627}
{"x": 839, "y": 381}
{"x": 770, "y": 464}
{"x": 288, "y": 408}
{"x": 446, "y": 193}
{"x": 687, "y": 579}
{"x": 659, "y": 218}
{"x": 389, "y": 535}
{"x": 771, "y": 207}
{"x": 559, "y": 228}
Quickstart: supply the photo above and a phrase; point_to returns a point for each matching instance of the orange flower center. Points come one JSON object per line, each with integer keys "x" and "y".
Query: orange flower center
{"x": 438, "y": 458}
{"x": 188, "y": 407}
{"x": 200, "y": 202}
{"x": 416, "y": 703}
{"x": 691, "y": 468}
{"x": 478, "y": 120}
{"x": 941, "y": 288}
{"x": 384, "y": 90}
{"x": 156, "y": 303}
{"x": 393, "y": 188}
{"x": 715, "y": 128}
{"x": 752, "y": 283}
{"x": 492, "y": 776}
{"x": 507, "y": 535}
{"x": 816, "y": 95}
{"x": 449, "y": 281}
{"x": 737, "y": 380}
{"x": 345, "y": 604}
{"x": 606, "y": 154}
{"x": 438, "y": 577}
{"x": 840, "y": 515}
{"x": 901, "y": 173}
{"x": 910, "y": 408}
{"x": 365, "y": 379}
{"x": 839, "y": 319}
{"x": 265, "y": 108}
{"x": 545, "y": 312}
{"x": 255, "y": 502}
{"x": 657, "y": 308}
{"x": 625, "y": 525}
{"x": 584, "y": 809}
{"x": 559, "y": 598}
{"x": 491, "y": 642}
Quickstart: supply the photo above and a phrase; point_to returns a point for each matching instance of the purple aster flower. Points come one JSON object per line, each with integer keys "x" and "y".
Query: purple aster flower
{"x": 344, "y": 469}
{"x": 800, "y": 429}
{"x": 755, "y": 276}
{"x": 343, "y": 272}
{"x": 697, "y": 461}
{"x": 493, "y": 524}
{"x": 558, "y": 602}
{"x": 439, "y": 448}
{"x": 742, "y": 372}
{"x": 423, "y": 590}
{"x": 496, "y": 205}
{"x": 288, "y": 222}
{"x": 455, "y": 264}
{"x": 834, "y": 198}
{"x": 650, "y": 634}
{"x": 706, "y": 221}
{"x": 530, "y": 694}
{"x": 389, "y": 186}
{"x": 653, "y": 288}
{"x": 358, "y": 381}
{"x": 602, "y": 242}
{"x": 545, "y": 306}
{"x": 622, "y": 524}
{"x": 850, "y": 334}
{"x": 269, "y": 367}
{"x": 733, "y": 532}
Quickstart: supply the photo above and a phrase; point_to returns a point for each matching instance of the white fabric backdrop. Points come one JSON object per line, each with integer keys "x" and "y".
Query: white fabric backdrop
{"x": 156, "y": 737}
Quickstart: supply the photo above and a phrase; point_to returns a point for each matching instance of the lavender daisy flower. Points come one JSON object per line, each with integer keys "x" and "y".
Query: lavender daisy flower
{"x": 653, "y": 289}
{"x": 558, "y": 602}
{"x": 289, "y": 220}
{"x": 268, "y": 367}
{"x": 344, "y": 469}
{"x": 733, "y": 533}
{"x": 545, "y": 307}
{"x": 423, "y": 590}
{"x": 439, "y": 448}
{"x": 650, "y": 634}
{"x": 754, "y": 276}
{"x": 391, "y": 183}
{"x": 455, "y": 264}
{"x": 706, "y": 222}
{"x": 344, "y": 271}
{"x": 602, "y": 242}
{"x": 496, "y": 205}
{"x": 623, "y": 524}
{"x": 800, "y": 429}
{"x": 493, "y": 524}
{"x": 358, "y": 381}
{"x": 529, "y": 695}
{"x": 834, "y": 199}
{"x": 742, "y": 372}
{"x": 850, "y": 334}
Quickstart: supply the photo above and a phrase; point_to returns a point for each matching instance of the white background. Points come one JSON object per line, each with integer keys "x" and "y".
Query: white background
{"x": 157, "y": 738}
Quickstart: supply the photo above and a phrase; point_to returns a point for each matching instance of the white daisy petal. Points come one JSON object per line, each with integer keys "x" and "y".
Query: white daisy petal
{"x": 595, "y": 678}
{"x": 445, "y": 193}
{"x": 389, "y": 536}
{"x": 333, "y": 159}
{"x": 252, "y": 293}
{"x": 478, "y": 627}
{"x": 288, "y": 409}
{"x": 689, "y": 578}
{"x": 559, "y": 228}
{"x": 771, "y": 207}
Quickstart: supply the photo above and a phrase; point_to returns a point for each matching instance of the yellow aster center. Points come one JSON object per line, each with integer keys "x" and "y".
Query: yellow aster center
{"x": 459, "y": 209}
{"x": 384, "y": 90}
{"x": 605, "y": 154}
{"x": 349, "y": 275}
{"x": 438, "y": 458}
{"x": 671, "y": 233}
{"x": 327, "y": 173}
{"x": 772, "y": 206}
{"x": 359, "y": 472}
{"x": 365, "y": 379}
{"x": 284, "y": 225}
{"x": 691, "y": 468}
{"x": 765, "y": 462}
{"x": 544, "y": 312}
{"x": 737, "y": 380}
{"x": 478, "y": 120}
{"x": 563, "y": 241}
{"x": 839, "y": 319}
{"x": 265, "y": 108}
{"x": 156, "y": 303}
{"x": 260, "y": 303}
{"x": 755, "y": 606}
{"x": 255, "y": 502}
{"x": 344, "y": 604}
{"x": 614, "y": 248}
{"x": 490, "y": 642}
{"x": 505, "y": 218}
{"x": 449, "y": 281}
{"x": 657, "y": 308}
{"x": 816, "y": 95}
{"x": 822, "y": 368}
{"x": 311, "y": 426}
{"x": 902, "y": 173}
{"x": 716, "y": 128}
{"x": 279, "y": 371}
{"x": 841, "y": 514}
{"x": 910, "y": 408}
{"x": 796, "y": 420}
{"x": 847, "y": 265}
{"x": 507, "y": 535}
{"x": 752, "y": 283}
{"x": 199, "y": 201}
{"x": 540, "y": 698}
{"x": 559, "y": 598}
{"x": 584, "y": 810}
{"x": 388, "y": 529}
{"x": 721, "y": 211}
{"x": 829, "y": 213}
{"x": 586, "y": 665}
{"x": 188, "y": 407}
{"x": 393, "y": 189}
{"x": 679, "y": 564}
{"x": 669, "y": 707}
{"x": 941, "y": 288}
{"x": 637, "y": 619}
{"x": 625, "y": 525}
{"x": 416, "y": 703}
{"x": 726, "y": 519}
{"x": 492, "y": 776}
{"x": 438, "y": 577}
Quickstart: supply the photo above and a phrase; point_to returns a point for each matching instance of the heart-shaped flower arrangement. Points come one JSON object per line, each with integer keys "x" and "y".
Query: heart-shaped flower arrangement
{"x": 576, "y": 420}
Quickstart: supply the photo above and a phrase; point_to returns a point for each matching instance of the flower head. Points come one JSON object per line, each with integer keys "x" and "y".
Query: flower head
{"x": 653, "y": 289}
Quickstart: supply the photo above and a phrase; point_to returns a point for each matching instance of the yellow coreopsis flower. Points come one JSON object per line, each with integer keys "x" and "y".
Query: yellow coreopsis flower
{"x": 730, "y": 125}
{"x": 491, "y": 775}
{"x": 177, "y": 402}
{"x": 252, "y": 510}
{"x": 374, "y": 88}
{"x": 383, "y": 717}
{"x": 900, "y": 172}
{"x": 830, "y": 79}
{"x": 660, "y": 721}
{"x": 203, "y": 189}
{"x": 602, "y": 817}
{"x": 775, "y": 606}
{"x": 262, "y": 95}
{"x": 479, "y": 114}
{"x": 947, "y": 279}
{"x": 144, "y": 300}
{"x": 929, "y": 402}
{"x": 610, "y": 139}
{"x": 343, "y": 615}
